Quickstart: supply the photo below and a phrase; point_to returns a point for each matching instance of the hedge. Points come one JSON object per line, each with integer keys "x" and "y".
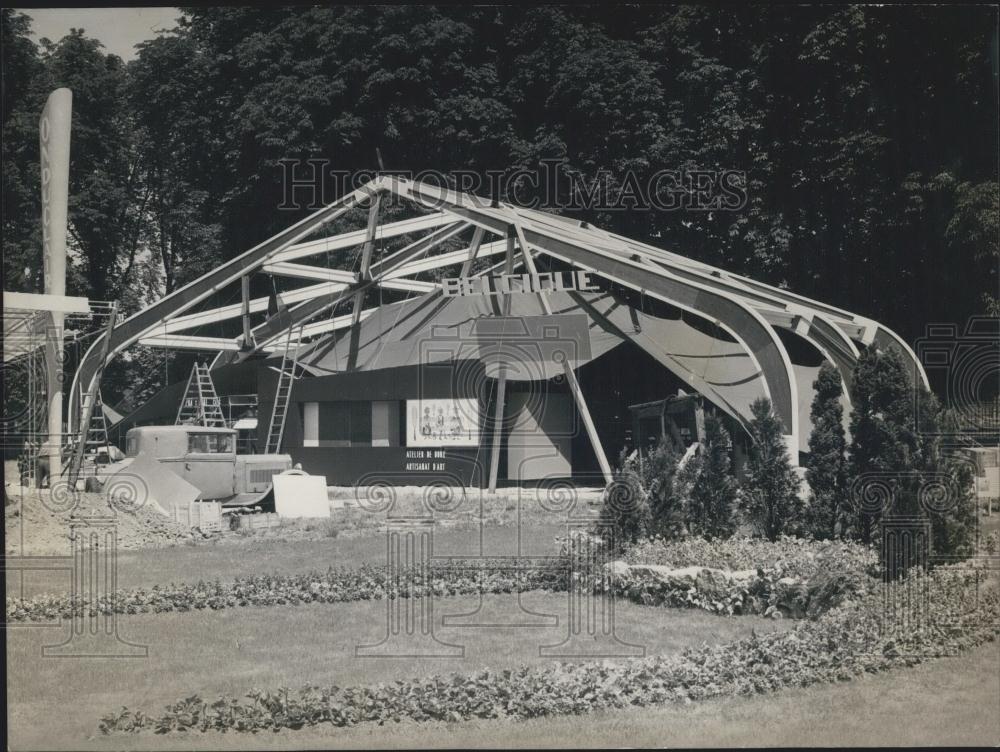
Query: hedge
{"x": 823, "y": 574}
{"x": 844, "y": 643}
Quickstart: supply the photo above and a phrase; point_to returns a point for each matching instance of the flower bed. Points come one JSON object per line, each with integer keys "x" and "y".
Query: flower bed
{"x": 334, "y": 586}
{"x": 786, "y": 557}
{"x": 845, "y": 643}
{"x": 792, "y": 578}
{"x": 763, "y": 591}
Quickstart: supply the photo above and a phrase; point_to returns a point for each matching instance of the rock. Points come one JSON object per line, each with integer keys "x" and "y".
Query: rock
{"x": 683, "y": 577}
{"x": 618, "y": 569}
{"x": 713, "y": 583}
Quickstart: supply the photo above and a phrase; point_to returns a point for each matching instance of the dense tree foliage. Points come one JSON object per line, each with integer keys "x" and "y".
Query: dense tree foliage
{"x": 900, "y": 468}
{"x": 885, "y": 442}
{"x": 826, "y": 469}
{"x": 866, "y": 134}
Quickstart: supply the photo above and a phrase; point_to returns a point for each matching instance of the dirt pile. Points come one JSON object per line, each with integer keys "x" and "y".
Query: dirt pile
{"x": 37, "y": 526}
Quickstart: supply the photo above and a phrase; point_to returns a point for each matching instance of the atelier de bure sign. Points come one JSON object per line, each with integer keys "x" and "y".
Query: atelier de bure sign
{"x": 504, "y": 284}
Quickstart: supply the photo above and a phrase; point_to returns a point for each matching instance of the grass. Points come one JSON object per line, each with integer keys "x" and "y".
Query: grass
{"x": 942, "y": 702}
{"x": 228, "y": 560}
{"x": 58, "y": 702}
{"x": 55, "y": 704}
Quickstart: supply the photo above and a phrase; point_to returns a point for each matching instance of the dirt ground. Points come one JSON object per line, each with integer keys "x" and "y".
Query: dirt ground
{"x": 36, "y": 527}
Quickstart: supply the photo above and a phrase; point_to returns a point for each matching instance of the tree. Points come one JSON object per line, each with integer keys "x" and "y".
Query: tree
{"x": 22, "y": 238}
{"x": 714, "y": 491}
{"x": 770, "y": 497}
{"x": 625, "y": 515}
{"x": 884, "y": 452}
{"x": 898, "y": 462}
{"x": 826, "y": 466}
{"x": 659, "y": 478}
{"x": 171, "y": 112}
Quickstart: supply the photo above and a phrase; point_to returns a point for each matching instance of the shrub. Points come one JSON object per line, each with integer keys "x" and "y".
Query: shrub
{"x": 625, "y": 514}
{"x": 659, "y": 476}
{"x": 793, "y": 576}
{"x": 884, "y": 442}
{"x": 895, "y": 439}
{"x": 712, "y": 506}
{"x": 770, "y": 497}
{"x": 795, "y": 557}
{"x": 826, "y": 468}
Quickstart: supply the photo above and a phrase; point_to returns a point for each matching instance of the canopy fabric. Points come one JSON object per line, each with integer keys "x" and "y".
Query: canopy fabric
{"x": 433, "y": 328}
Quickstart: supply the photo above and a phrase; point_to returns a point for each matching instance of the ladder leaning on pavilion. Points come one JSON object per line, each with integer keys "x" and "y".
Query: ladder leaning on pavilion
{"x": 200, "y": 404}
{"x": 283, "y": 394}
{"x": 91, "y": 425}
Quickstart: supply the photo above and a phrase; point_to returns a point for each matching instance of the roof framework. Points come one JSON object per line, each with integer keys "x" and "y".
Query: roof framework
{"x": 749, "y": 311}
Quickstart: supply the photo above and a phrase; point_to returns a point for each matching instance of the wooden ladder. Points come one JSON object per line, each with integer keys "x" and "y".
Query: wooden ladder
{"x": 283, "y": 394}
{"x": 200, "y": 404}
{"x": 90, "y": 401}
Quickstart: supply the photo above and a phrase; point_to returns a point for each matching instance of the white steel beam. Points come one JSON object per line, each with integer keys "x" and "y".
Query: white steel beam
{"x": 257, "y": 305}
{"x": 357, "y": 237}
{"x": 447, "y": 259}
{"x": 29, "y": 301}
{"x": 189, "y": 342}
{"x": 318, "y": 327}
{"x": 302, "y": 271}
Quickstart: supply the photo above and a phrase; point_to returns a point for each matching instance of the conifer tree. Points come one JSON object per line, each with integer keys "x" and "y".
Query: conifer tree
{"x": 770, "y": 498}
{"x": 713, "y": 496}
{"x": 826, "y": 467}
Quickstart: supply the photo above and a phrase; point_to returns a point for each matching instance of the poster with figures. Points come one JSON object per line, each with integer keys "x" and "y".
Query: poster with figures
{"x": 442, "y": 422}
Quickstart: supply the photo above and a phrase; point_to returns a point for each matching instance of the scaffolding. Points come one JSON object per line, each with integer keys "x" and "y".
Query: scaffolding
{"x": 26, "y": 331}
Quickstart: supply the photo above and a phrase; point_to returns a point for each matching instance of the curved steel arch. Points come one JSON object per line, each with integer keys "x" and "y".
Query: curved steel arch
{"x": 737, "y": 318}
{"x": 748, "y": 310}
{"x": 148, "y": 319}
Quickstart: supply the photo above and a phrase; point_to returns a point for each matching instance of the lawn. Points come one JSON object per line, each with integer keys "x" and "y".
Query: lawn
{"x": 56, "y": 703}
{"x": 225, "y": 560}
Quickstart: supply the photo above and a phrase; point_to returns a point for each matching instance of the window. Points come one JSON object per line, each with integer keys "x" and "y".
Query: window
{"x": 350, "y": 423}
{"x": 210, "y": 443}
{"x": 385, "y": 424}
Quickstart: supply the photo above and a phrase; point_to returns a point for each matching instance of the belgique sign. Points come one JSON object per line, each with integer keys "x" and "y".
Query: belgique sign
{"x": 505, "y": 284}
